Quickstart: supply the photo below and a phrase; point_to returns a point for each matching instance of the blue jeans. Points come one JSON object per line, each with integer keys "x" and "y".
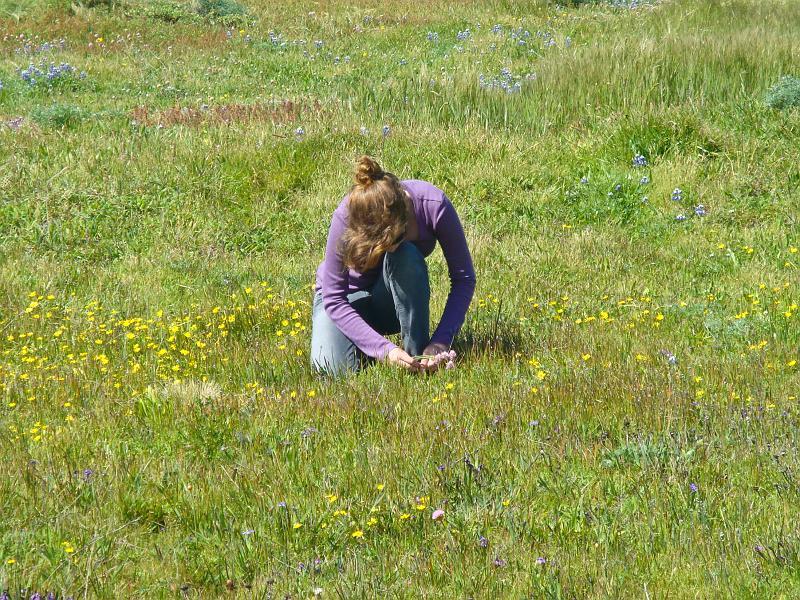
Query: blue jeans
{"x": 399, "y": 302}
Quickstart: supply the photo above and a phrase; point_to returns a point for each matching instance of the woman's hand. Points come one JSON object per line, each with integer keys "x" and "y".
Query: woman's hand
{"x": 434, "y": 349}
{"x": 402, "y": 359}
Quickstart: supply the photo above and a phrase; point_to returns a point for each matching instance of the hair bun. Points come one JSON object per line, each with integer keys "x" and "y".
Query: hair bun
{"x": 367, "y": 171}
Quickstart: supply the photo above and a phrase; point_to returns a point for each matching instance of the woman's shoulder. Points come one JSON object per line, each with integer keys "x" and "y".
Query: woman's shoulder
{"x": 423, "y": 190}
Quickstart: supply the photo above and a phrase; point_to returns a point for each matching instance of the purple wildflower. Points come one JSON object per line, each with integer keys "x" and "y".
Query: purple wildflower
{"x": 499, "y": 562}
{"x": 308, "y": 432}
{"x": 693, "y": 487}
{"x": 541, "y": 560}
{"x": 639, "y": 161}
{"x": 483, "y": 542}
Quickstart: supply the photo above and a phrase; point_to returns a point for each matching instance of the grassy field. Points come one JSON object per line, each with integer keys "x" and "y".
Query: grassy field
{"x": 623, "y": 417}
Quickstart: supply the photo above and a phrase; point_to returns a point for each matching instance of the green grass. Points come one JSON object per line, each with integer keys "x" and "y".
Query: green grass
{"x": 156, "y": 267}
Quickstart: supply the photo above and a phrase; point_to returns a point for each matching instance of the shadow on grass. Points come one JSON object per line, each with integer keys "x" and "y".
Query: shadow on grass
{"x": 498, "y": 337}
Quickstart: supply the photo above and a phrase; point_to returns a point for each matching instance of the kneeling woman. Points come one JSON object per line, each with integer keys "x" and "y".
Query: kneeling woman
{"x": 373, "y": 280}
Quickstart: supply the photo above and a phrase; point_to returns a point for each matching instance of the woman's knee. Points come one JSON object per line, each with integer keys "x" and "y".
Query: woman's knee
{"x": 331, "y": 352}
{"x": 336, "y": 366}
{"x": 406, "y": 260}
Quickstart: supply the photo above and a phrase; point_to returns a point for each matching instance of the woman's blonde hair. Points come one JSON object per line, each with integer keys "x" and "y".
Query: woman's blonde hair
{"x": 377, "y": 215}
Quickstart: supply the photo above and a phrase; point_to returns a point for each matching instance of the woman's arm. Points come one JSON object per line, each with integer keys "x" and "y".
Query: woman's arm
{"x": 335, "y": 285}
{"x": 450, "y": 233}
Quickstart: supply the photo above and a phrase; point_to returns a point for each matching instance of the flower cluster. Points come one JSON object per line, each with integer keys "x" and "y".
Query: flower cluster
{"x": 520, "y": 35}
{"x": 504, "y": 81}
{"x": 447, "y": 357}
{"x": 34, "y": 74}
{"x": 433, "y": 37}
{"x": 276, "y": 39}
{"x": 639, "y": 161}
{"x": 14, "y": 124}
{"x": 29, "y": 47}
{"x": 463, "y": 35}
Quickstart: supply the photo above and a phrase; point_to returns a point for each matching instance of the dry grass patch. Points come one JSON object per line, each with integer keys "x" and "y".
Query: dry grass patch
{"x": 285, "y": 111}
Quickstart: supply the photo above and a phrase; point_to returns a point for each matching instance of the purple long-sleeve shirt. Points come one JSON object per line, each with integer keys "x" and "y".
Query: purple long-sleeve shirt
{"x": 437, "y": 220}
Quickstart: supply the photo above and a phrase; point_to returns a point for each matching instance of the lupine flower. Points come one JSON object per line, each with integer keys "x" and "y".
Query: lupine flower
{"x": 584, "y": 180}
{"x": 248, "y": 532}
{"x": 433, "y": 37}
{"x": 639, "y": 161}
{"x": 386, "y": 130}
{"x": 505, "y": 81}
{"x": 463, "y": 35}
{"x": 483, "y": 542}
{"x": 671, "y": 358}
{"x": 644, "y": 180}
{"x": 497, "y": 28}
{"x": 693, "y": 487}
{"x": 680, "y": 217}
{"x": 299, "y": 132}
{"x": 700, "y": 210}
{"x": 318, "y": 44}
{"x": 644, "y": 199}
{"x": 541, "y": 560}
{"x": 499, "y": 562}
{"x": 677, "y": 194}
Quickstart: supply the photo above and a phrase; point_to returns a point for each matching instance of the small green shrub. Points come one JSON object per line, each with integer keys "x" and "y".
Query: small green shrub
{"x": 227, "y": 11}
{"x": 784, "y": 94}
{"x": 170, "y": 11}
{"x": 58, "y": 116}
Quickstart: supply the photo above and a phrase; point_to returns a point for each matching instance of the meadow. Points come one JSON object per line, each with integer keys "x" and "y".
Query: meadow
{"x": 622, "y": 419}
